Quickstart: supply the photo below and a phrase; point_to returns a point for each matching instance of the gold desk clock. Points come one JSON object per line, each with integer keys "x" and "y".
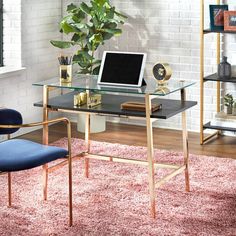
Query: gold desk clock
{"x": 162, "y": 72}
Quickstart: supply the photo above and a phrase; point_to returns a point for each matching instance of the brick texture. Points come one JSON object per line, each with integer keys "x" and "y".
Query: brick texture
{"x": 166, "y": 30}
{"x": 28, "y": 27}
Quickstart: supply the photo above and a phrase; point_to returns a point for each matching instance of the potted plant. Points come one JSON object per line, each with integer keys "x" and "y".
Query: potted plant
{"x": 234, "y": 108}
{"x": 89, "y": 26}
{"x": 228, "y": 102}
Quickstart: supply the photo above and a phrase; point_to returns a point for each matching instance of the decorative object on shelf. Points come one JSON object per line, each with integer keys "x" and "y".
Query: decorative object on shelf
{"x": 80, "y": 99}
{"x": 230, "y": 20}
{"x": 162, "y": 72}
{"x": 217, "y": 16}
{"x": 224, "y": 69}
{"x": 234, "y": 109}
{"x": 228, "y": 102}
{"x": 65, "y": 69}
{"x": 91, "y": 100}
{"x": 94, "y": 100}
{"x": 89, "y": 25}
{"x": 138, "y": 106}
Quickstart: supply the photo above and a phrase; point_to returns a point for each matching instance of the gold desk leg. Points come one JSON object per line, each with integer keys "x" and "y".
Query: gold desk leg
{"x": 87, "y": 143}
{"x": 150, "y": 155}
{"x": 9, "y": 188}
{"x": 70, "y": 175}
{"x": 9, "y": 182}
{"x": 45, "y": 139}
{"x": 185, "y": 143}
{"x": 201, "y": 72}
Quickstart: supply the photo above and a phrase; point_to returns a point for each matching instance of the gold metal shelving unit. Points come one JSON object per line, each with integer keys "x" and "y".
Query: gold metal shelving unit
{"x": 212, "y": 77}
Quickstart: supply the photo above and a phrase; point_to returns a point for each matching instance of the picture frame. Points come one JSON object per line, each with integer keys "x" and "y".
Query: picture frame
{"x": 217, "y": 16}
{"x": 230, "y": 20}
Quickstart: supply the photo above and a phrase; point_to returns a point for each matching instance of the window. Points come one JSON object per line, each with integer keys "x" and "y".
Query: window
{"x": 1, "y": 32}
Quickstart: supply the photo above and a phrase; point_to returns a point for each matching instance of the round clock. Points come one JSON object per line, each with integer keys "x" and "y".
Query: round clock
{"x": 162, "y": 72}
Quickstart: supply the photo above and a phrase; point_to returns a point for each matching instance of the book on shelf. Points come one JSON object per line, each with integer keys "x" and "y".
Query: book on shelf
{"x": 138, "y": 106}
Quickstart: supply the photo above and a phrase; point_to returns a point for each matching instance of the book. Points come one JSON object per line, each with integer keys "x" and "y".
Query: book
{"x": 138, "y": 106}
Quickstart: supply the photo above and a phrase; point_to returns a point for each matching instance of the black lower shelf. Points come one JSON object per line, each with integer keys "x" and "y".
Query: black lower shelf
{"x": 111, "y": 105}
{"x": 209, "y": 126}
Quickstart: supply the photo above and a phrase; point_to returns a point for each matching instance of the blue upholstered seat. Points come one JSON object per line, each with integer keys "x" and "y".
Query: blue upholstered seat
{"x": 20, "y": 154}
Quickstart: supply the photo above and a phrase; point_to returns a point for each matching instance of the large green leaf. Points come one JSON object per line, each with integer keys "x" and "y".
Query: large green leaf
{"x": 96, "y": 62}
{"x": 79, "y": 37}
{"x": 110, "y": 25}
{"x": 67, "y": 28}
{"x": 110, "y": 13}
{"x": 84, "y": 71}
{"x": 90, "y": 24}
{"x": 101, "y": 2}
{"x": 113, "y": 31}
{"x": 86, "y": 55}
{"x": 107, "y": 36}
{"x": 96, "y": 38}
{"x": 96, "y": 70}
{"x": 85, "y": 8}
{"x": 71, "y": 7}
{"x": 79, "y": 25}
{"x": 80, "y": 60}
{"x": 61, "y": 44}
{"x": 79, "y": 16}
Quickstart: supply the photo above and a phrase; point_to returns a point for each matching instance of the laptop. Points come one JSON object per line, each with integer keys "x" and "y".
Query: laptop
{"x": 122, "y": 69}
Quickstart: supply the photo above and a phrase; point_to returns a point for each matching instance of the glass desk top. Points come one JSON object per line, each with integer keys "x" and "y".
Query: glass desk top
{"x": 89, "y": 82}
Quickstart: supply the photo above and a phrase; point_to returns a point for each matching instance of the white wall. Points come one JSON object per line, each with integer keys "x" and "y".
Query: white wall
{"x": 31, "y": 49}
{"x": 170, "y": 31}
{"x": 166, "y": 30}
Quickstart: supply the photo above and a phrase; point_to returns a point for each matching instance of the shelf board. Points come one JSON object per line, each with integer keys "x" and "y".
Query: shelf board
{"x": 217, "y": 127}
{"x": 214, "y": 77}
{"x": 207, "y": 31}
{"x": 111, "y": 104}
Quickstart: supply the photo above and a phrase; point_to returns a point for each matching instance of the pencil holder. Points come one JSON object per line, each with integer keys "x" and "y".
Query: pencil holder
{"x": 65, "y": 73}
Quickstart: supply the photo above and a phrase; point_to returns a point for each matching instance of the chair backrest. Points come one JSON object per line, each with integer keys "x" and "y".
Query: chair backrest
{"x": 9, "y": 117}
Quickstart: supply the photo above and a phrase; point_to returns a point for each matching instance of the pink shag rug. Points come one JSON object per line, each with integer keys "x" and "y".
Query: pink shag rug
{"x": 115, "y": 200}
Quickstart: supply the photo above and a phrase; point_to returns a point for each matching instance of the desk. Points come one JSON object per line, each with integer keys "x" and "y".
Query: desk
{"x": 112, "y": 97}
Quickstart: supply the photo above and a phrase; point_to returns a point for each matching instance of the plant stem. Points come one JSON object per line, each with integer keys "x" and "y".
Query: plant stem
{"x": 91, "y": 68}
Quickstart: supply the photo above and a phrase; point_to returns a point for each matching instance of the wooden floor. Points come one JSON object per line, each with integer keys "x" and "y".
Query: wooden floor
{"x": 223, "y": 146}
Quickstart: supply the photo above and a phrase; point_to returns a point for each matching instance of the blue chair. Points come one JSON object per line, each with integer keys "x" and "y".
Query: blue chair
{"x": 21, "y": 154}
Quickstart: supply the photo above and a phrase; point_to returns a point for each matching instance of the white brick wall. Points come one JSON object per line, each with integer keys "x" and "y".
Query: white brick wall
{"x": 37, "y": 21}
{"x": 12, "y": 33}
{"x": 166, "y": 30}
{"x": 169, "y": 31}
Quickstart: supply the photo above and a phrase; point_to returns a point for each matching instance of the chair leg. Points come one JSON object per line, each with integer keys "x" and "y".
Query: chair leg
{"x": 45, "y": 182}
{"x": 70, "y": 191}
{"x": 9, "y": 188}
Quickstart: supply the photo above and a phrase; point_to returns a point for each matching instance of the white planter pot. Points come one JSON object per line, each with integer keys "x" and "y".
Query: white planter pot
{"x": 228, "y": 110}
{"x": 234, "y": 111}
{"x": 97, "y": 123}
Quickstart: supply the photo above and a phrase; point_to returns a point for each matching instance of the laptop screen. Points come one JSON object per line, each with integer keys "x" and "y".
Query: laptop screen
{"x": 122, "y": 69}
